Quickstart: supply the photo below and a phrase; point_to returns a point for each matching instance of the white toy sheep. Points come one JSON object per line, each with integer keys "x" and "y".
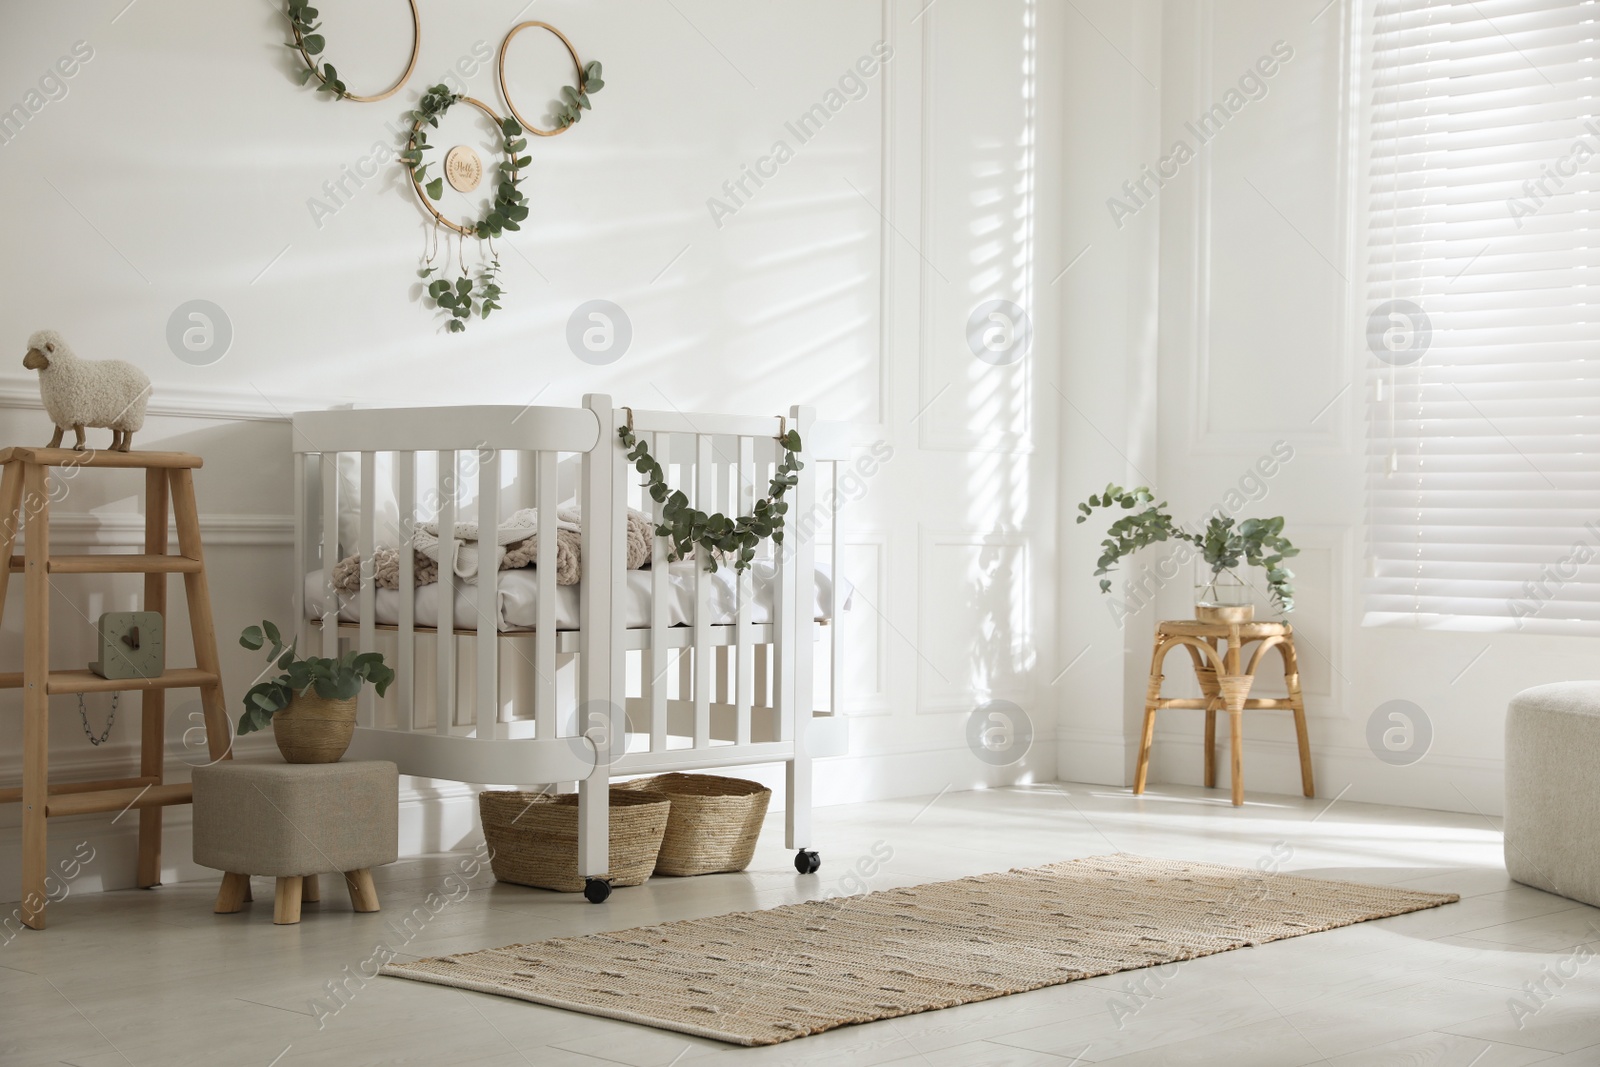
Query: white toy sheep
{"x": 108, "y": 393}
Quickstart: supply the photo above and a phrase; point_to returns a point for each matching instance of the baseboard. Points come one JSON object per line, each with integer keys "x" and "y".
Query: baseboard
{"x": 1470, "y": 785}
{"x": 1094, "y": 757}
{"x": 436, "y": 816}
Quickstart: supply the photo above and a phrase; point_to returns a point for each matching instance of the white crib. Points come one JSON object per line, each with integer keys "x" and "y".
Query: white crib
{"x": 542, "y": 704}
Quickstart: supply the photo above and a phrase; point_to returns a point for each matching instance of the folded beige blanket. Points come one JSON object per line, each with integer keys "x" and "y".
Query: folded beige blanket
{"x": 518, "y": 554}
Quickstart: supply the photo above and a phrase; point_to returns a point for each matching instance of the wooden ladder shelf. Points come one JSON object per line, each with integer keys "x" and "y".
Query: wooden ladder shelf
{"x": 25, "y": 505}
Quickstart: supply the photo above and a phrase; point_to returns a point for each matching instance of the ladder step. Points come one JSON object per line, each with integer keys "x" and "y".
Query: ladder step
{"x": 115, "y": 563}
{"x": 66, "y": 457}
{"x": 150, "y": 796}
{"x": 89, "y": 682}
{"x": 13, "y": 794}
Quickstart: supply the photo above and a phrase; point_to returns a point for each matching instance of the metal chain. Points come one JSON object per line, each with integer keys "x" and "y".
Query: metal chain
{"x": 84, "y": 715}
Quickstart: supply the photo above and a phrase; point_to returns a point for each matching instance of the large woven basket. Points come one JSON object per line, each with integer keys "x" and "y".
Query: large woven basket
{"x": 713, "y": 824}
{"x": 533, "y": 837}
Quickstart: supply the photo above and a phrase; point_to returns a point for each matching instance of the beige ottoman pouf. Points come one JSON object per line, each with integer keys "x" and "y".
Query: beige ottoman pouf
{"x": 293, "y": 821}
{"x": 1552, "y": 830}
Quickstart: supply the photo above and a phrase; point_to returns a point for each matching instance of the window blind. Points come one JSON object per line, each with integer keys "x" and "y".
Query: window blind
{"x": 1483, "y": 286}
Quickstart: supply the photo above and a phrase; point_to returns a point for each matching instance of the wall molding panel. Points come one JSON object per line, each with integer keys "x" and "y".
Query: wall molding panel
{"x": 1330, "y": 432}
{"x": 986, "y": 646}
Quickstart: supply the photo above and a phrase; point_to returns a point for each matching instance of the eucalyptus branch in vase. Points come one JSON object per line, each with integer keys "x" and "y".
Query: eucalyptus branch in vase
{"x": 1222, "y": 543}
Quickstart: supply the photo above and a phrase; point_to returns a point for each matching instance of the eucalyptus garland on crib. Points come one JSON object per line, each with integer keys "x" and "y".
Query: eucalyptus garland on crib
{"x": 467, "y": 294}
{"x": 685, "y": 527}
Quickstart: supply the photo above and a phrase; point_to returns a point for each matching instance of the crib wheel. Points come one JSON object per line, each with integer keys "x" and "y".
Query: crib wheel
{"x": 596, "y": 890}
{"x": 807, "y": 862}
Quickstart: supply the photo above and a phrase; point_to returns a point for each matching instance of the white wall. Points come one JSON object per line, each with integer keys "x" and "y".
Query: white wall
{"x": 182, "y": 163}
{"x": 1106, "y": 285}
{"x": 1260, "y": 348}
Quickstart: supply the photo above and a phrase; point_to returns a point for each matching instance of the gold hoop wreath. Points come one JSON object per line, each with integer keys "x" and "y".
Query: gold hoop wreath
{"x": 309, "y": 43}
{"x": 576, "y": 96}
{"x": 508, "y": 140}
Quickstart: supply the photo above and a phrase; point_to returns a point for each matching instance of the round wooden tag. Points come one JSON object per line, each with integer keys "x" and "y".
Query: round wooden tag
{"x": 463, "y": 168}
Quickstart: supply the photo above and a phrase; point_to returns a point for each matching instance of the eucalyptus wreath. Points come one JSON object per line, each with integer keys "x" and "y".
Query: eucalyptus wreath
{"x": 468, "y": 294}
{"x": 510, "y": 203}
{"x": 719, "y": 535}
{"x": 575, "y": 98}
{"x": 303, "y": 21}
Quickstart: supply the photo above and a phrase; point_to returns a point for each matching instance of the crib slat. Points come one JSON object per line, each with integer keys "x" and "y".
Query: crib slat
{"x": 835, "y": 623}
{"x": 406, "y": 661}
{"x": 746, "y": 472}
{"x": 487, "y": 646}
{"x": 705, "y": 499}
{"x": 617, "y": 564}
{"x": 544, "y": 640}
{"x": 657, "y": 657}
{"x": 302, "y": 627}
{"x": 367, "y": 600}
{"x": 682, "y": 448}
{"x": 763, "y": 691}
{"x": 727, "y": 503}
{"x": 330, "y": 553}
{"x": 800, "y": 578}
{"x": 595, "y": 693}
{"x": 787, "y": 616}
{"x": 444, "y": 640}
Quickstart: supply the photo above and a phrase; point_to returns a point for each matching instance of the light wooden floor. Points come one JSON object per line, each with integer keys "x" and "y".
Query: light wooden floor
{"x": 153, "y": 979}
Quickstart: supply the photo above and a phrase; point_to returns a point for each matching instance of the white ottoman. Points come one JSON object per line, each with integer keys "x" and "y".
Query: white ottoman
{"x": 1552, "y": 831}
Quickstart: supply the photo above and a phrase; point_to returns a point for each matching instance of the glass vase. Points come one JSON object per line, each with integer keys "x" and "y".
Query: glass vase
{"x": 1221, "y": 596}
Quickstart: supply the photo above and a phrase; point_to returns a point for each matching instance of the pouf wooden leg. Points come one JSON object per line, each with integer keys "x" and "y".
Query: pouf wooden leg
{"x": 234, "y": 892}
{"x": 310, "y": 889}
{"x": 286, "y": 905}
{"x": 363, "y": 894}
{"x": 248, "y": 895}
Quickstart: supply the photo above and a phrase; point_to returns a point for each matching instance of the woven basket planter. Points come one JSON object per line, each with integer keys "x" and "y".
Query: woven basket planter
{"x": 314, "y": 730}
{"x": 713, "y": 824}
{"x": 533, "y": 837}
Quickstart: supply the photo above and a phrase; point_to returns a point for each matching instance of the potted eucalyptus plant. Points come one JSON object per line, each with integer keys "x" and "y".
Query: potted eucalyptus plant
{"x": 1222, "y": 546}
{"x": 311, "y": 702}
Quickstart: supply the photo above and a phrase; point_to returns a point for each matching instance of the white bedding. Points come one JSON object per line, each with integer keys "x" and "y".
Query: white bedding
{"x": 518, "y": 595}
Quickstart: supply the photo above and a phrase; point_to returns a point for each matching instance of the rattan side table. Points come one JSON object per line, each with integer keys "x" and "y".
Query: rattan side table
{"x": 1217, "y": 648}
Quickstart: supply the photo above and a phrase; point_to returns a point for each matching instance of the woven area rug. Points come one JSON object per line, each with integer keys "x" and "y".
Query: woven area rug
{"x": 761, "y": 977}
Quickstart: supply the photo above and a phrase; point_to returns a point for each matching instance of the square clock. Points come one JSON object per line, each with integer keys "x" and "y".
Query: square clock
{"x": 131, "y": 645}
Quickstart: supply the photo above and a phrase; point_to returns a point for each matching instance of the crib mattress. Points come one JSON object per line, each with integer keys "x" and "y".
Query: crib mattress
{"x": 518, "y": 598}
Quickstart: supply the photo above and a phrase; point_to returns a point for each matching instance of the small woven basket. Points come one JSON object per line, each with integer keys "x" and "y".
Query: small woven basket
{"x": 533, "y": 837}
{"x": 713, "y": 824}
